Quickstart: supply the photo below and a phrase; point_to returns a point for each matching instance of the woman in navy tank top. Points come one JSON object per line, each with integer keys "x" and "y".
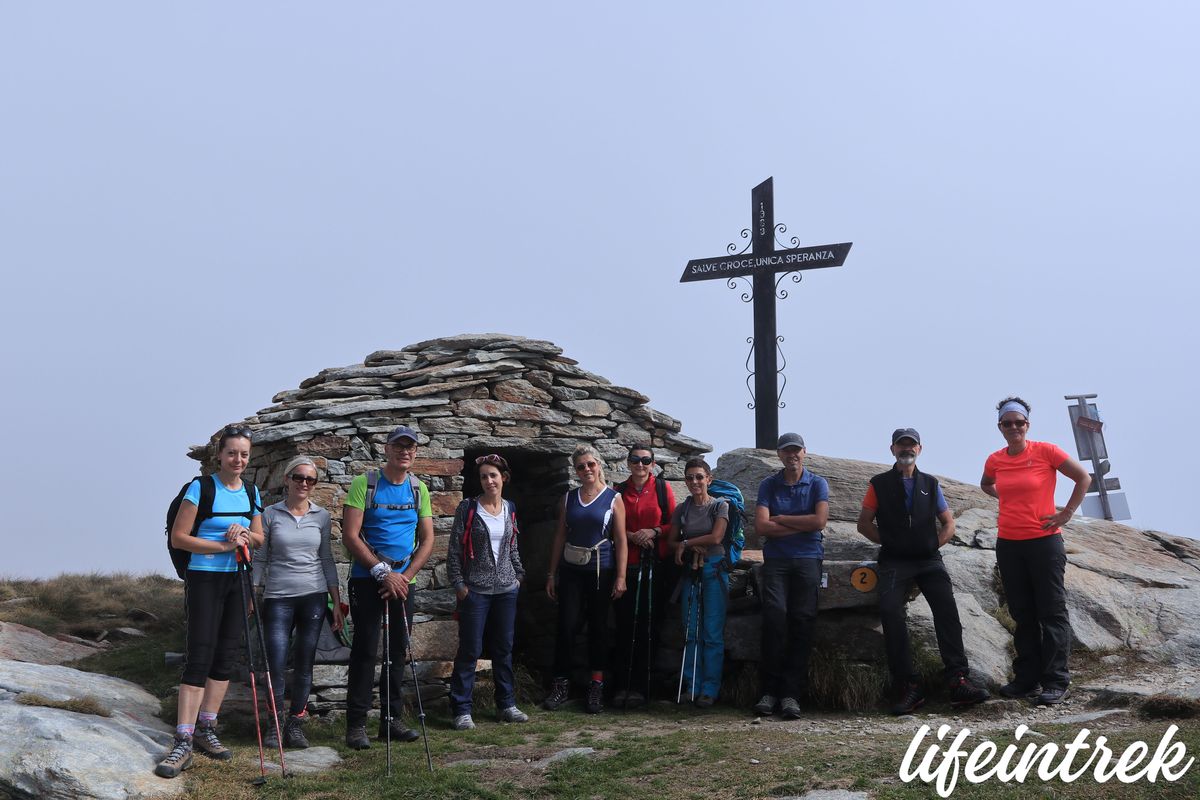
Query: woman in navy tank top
{"x": 587, "y": 572}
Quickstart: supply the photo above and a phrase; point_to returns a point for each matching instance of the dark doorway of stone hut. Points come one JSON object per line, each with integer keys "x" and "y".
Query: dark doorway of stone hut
{"x": 538, "y": 483}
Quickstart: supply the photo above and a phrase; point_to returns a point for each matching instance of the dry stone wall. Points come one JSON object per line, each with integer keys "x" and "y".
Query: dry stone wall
{"x": 465, "y": 395}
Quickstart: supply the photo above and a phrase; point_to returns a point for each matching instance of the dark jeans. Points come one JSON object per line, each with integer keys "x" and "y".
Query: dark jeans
{"x": 1032, "y": 573}
{"x": 366, "y": 611}
{"x": 580, "y": 601}
{"x": 633, "y": 651}
{"x": 789, "y": 588}
{"x": 484, "y": 615}
{"x": 896, "y": 578}
{"x": 216, "y": 619}
{"x": 305, "y": 613}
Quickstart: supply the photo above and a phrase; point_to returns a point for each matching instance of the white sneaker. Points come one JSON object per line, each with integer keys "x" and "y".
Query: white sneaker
{"x": 463, "y": 722}
{"x": 513, "y": 714}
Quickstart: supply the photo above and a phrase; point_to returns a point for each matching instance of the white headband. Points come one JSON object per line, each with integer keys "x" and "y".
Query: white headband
{"x": 1013, "y": 405}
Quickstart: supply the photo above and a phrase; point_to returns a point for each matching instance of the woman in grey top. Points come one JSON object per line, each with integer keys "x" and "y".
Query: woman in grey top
{"x": 697, "y": 531}
{"x": 295, "y": 568}
{"x": 483, "y": 564}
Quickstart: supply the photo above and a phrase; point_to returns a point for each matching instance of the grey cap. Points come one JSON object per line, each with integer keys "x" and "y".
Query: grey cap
{"x": 906, "y": 433}
{"x": 403, "y": 432}
{"x": 790, "y": 440}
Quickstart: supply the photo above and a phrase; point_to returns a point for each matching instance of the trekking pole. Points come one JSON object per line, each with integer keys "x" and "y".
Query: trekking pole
{"x": 416, "y": 687}
{"x": 686, "y": 627}
{"x": 637, "y": 598}
{"x": 243, "y": 555}
{"x": 697, "y": 573}
{"x": 650, "y": 621}
{"x": 385, "y": 703}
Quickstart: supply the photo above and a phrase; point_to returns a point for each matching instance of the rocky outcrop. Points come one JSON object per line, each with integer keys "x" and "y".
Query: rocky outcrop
{"x": 1128, "y": 590}
{"x": 20, "y": 643}
{"x": 57, "y": 753}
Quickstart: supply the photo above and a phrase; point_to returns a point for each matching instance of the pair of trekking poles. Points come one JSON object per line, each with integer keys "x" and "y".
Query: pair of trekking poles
{"x": 645, "y": 565}
{"x": 696, "y": 604}
{"x": 243, "y": 564}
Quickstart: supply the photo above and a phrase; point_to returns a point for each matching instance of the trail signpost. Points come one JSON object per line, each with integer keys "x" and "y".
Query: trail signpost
{"x": 764, "y": 267}
{"x": 1109, "y": 501}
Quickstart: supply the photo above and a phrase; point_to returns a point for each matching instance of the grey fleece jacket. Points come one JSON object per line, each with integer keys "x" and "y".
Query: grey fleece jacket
{"x": 483, "y": 573}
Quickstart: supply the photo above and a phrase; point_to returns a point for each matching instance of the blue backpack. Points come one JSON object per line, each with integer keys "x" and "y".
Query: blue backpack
{"x": 735, "y": 531}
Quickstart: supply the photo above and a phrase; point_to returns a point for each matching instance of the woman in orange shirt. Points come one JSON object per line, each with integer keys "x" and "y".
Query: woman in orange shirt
{"x": 1030, "y": 552}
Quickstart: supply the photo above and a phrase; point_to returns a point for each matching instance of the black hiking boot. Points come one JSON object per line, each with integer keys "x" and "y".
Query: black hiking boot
{"x": 399, "y": 732}
{"x": 560, "y": 692}
{"x": 595, "y": 697}
{"x": 963, "y": 693}
{"x": 293, "y": 733}
{"x": 1018, "y": 690}
{"x": 1054, "y": 695}
{"x": 356, "y": 737}
{"x": 909, "y": 698}
{"x": 270, "y": 739}
{"x": 176, "y": 761}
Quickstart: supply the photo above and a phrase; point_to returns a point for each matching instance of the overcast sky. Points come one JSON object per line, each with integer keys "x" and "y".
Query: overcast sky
{"x": 203, "y": 205}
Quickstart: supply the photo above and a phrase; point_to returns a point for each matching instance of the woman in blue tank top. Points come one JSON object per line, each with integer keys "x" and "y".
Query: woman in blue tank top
{"x": 587, "y": 572}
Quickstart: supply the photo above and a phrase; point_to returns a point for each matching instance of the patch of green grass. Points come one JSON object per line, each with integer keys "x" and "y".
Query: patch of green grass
{"x": 140, "y": 661}
{"x": 79, "y": 705}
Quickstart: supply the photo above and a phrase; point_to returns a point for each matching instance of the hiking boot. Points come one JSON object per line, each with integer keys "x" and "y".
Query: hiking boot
{"x": 176, "y": 761}
{"x": 293, "y": 733}
{"x": 1017, "y": 690}
{"x": 513, "y": 714}
{"x": 205, "y": 740}
{"x": 270, "y": 739}
{"x": 560, "y": 691}
{"x": 1054, "y": 695}
{"x": 399, "y": 732}
{"x": 595, "y": 697}
{"x": 964, "y": 693}
{"x": 766, "y": 705}
{"x": 909, "y": 698}
{"x": 463, "y": 722}
{"x": 356, "y": 737}
{"x": 705, "y": 701}
{"x": 789, "y": 708}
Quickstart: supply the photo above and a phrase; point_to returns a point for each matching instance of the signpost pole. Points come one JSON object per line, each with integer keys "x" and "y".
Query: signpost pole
{"x": 1094, "y": 451}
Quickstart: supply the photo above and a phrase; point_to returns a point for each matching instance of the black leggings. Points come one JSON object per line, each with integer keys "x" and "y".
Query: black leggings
{"x": 582, "y": 599}
{"x": 212, "y": 603}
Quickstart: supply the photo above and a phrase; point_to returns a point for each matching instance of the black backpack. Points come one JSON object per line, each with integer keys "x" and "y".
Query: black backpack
{"x": 208, "y": 493}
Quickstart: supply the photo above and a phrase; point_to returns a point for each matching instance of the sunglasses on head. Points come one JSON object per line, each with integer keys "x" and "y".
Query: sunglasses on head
{"x": 645, "y": 461}
{"x": 236, "y": 430}
{"x": 1014, "y": 423}
{"x": 492, "y": 458}
{"x": 310, "y": 480}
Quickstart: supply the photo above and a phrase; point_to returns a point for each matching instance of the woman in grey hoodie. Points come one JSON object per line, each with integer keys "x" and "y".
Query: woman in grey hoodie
{"x": 484, "y": 566}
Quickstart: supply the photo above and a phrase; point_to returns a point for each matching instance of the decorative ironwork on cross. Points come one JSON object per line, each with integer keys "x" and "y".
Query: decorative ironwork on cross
{"x": 764, "y": 269}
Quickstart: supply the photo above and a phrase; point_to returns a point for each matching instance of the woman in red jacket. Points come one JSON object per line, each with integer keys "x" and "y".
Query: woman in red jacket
{"x": 648, "y": 501}
{"x": 1030, "y": 552}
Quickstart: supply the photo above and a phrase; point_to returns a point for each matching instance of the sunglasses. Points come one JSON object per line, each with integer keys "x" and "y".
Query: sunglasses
{"x": 695, "y": 477}
{"x": 492, "y": 458}
{"x": 311, "y": 481}
{"x": 404, "y": 448}
{"x": 585, "y": 466}
{"x": 645, "y": 461}
{"x": 1014, "y": 423}
{"x": 235, "y": 430}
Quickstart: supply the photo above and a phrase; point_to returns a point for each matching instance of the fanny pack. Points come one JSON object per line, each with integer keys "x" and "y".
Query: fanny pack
{"x": 581, "y": 556}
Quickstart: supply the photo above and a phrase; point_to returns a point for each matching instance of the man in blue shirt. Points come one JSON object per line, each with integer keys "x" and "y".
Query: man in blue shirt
{"x": 901, "y": 512}
{"x": 793, "y": 507}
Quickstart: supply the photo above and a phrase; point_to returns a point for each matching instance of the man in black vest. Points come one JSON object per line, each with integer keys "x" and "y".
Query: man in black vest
{"x": 900, "y": 513}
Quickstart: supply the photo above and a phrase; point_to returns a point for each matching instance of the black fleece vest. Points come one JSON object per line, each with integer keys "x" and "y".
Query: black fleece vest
{"x": 906, "y": 534}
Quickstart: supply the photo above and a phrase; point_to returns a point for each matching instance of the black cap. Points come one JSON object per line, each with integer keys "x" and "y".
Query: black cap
{"x": 790, "y": 440}
{"x": 403, "y": 432}
{"x": 906, "y": 433}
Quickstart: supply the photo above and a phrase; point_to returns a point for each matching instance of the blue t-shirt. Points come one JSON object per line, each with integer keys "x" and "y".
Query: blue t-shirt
{"x": 213, "y": 529}
{"x": 390, "y": 528}
{"x": 799, "y": 499}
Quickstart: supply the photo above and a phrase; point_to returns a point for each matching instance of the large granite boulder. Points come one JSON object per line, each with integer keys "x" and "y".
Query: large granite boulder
{"x": 57, "y": 753}
{"x": 21, "y": 643}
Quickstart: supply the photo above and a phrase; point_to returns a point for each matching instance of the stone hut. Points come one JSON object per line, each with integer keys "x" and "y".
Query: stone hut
{"x": 466, "y": 395}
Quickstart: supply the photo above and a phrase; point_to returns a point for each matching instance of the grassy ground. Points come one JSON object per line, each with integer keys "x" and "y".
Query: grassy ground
{"x": 665, "y": 753}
